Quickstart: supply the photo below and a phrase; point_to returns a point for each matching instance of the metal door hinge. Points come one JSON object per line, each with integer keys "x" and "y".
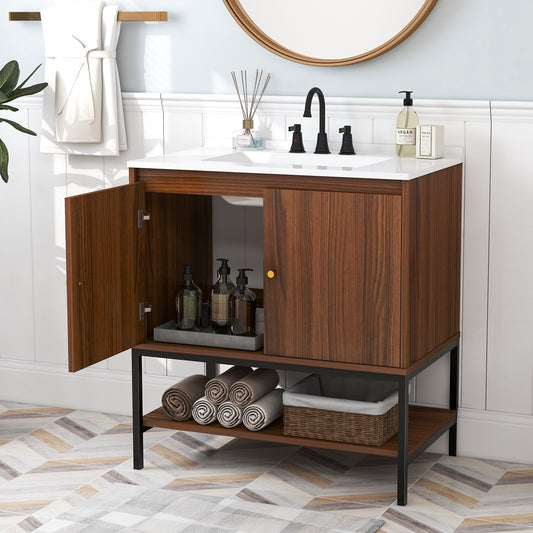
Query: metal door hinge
{"x": 141, "y": 217}
{"x": 144, "y": 307}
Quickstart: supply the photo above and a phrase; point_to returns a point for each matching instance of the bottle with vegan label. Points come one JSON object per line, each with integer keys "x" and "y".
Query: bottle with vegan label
{"x": 188, "y": 302}
{"x": 220, "y": 300}
{"x": 243, "y": 307}
{"x": 406, "y": 128}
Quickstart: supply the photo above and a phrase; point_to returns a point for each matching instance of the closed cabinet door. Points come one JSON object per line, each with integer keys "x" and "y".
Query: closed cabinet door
{"x": 332, "y": 276}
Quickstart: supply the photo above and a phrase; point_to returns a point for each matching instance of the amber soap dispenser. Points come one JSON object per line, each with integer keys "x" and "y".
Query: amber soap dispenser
{"x": 220, "y": 299}
{"x": 243, "y": 307}
{"x": 188, "y": 302}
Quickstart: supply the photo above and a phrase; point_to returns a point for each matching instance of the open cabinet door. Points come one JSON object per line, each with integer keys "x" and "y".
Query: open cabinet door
{"x": 105, "y": 251}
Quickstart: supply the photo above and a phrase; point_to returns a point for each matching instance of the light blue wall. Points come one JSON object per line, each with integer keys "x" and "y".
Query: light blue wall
{"x": 466, "y": 49}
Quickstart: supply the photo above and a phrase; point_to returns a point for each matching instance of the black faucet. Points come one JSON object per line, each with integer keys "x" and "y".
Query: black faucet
{"x": 322, "y": 137}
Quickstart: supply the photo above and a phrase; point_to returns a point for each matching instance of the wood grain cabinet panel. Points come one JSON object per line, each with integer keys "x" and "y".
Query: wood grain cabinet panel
{"x": 431, "y": 262}
{"x": 336, "y": 295}
{"x": 106, "y": 257}
{"x": 178, "y": 233}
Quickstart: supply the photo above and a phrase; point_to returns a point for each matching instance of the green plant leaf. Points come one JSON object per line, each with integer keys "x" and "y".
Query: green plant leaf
{"x": 18, "y": 126}
{"x": 24, "y": 82}
{"x": 3, "y": 97}
{"x": 8, "y": 107}
{"x": 17, "y": 93}
{"x": 9, "y": 76}
{"x": 4, "y": 161}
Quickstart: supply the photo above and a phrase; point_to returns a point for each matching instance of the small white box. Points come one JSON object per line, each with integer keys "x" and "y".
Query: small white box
{"x": 429, "y": 142}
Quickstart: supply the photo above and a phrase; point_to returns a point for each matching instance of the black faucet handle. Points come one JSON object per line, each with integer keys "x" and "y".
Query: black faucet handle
{"x": 347, "y": 141}
{"x": 297, "y": 144}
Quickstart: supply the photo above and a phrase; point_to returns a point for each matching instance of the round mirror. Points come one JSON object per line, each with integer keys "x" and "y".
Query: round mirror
{"x": 332, "y": 32}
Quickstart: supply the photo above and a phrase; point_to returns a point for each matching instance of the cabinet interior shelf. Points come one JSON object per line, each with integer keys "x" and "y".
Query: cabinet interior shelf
{"x": 425, "y": 423}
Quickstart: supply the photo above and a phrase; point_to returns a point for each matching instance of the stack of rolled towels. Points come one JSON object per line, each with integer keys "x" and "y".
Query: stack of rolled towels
{"x": 239, "y": 395}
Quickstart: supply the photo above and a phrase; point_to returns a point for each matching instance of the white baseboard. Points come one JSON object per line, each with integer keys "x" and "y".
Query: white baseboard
{"x": 491, "y": 435}
{"x": 495, "y": 435}
{"x": 100, "y": 390}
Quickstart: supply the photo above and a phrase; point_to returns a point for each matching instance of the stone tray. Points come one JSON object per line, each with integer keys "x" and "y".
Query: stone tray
{"x": 168, "y": 333}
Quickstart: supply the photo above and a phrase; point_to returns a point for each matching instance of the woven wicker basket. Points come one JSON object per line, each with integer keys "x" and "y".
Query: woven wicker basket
{"x": 344, "y": 427}
{"x": 373, "y": 427}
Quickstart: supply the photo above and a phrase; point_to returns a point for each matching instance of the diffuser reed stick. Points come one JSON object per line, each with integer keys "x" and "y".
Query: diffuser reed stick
{"x": 249, "y": 104}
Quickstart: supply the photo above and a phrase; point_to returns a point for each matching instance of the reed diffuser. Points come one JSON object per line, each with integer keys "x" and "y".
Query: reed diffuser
{"x": 249, "y": 138}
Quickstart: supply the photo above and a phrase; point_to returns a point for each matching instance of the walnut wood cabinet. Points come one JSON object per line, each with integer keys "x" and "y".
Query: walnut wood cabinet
{"x": 367, "y": 278}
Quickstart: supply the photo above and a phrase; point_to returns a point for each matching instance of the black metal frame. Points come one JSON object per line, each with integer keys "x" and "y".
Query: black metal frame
{"x": 403, "y": 399}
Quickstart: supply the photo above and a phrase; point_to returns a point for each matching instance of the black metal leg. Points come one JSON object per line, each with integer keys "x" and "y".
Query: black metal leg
{"x": 137, "y": 409}
{"x": 454, "y": 398}
{"x": 403, "y": 438}
{"x": 211, "y": 369}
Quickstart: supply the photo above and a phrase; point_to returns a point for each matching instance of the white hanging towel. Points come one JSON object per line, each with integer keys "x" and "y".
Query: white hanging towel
{"x": 82, "y": 105}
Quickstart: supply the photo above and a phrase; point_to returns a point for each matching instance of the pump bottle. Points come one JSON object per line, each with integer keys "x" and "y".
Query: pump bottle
{"x": 188, "y": 302}
{"x": 406, "y": 128}
{"x": 243, "y": 307}
{"x": 220, "y": 300}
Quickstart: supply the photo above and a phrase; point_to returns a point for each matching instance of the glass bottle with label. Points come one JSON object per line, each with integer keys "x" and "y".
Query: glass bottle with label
{"x": 220, "y": 300}
{"x": 406, "y": 128}
{"x": 242, "y": 305}
{"x": 248, "y": 138}
{"x": 188, "y": 302}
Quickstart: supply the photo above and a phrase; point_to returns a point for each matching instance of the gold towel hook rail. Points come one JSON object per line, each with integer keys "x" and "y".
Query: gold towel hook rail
{"x": 123, "y": 16}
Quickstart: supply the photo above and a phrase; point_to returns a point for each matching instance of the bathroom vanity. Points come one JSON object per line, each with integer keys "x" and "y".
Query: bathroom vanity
{"x": 363, "y": 262}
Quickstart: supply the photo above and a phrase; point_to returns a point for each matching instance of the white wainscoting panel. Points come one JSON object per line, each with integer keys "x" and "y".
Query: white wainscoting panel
{"x": 476, "y": 192}
{"x": 48, "y": 180}
{"x": 17, "y": 326}
{"x": 510, "y": 348}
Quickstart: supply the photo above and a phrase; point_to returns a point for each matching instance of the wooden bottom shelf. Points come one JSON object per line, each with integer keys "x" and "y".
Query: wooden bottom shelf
{"x": 424, "y": 424}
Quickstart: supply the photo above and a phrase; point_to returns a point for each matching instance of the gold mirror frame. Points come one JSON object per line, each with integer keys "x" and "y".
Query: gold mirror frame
{"x": 247, "y": 24}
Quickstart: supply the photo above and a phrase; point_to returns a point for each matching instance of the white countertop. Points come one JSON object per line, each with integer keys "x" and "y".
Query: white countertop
{"x": 376, "y": 166}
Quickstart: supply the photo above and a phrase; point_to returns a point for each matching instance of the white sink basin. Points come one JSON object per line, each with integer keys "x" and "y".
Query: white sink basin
{"x": 279, "y": 160}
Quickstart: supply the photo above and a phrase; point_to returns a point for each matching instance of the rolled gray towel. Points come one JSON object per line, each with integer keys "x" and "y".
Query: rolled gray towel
{"x": 253, "y": 386}
{"x": 178, "y": 400}
{"x": 203, "y": 411}
{"x": 217, "y": 389}
{"x": 229, "y": 415}
{"x": 263, "y": 412}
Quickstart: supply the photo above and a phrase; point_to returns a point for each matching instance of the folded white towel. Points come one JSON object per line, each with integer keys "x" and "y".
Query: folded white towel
{"x": 82, "y": 105}
{"x": 261, "y": 413}
{"x": 229, "y": 415}
{"x": 203, "y": 411}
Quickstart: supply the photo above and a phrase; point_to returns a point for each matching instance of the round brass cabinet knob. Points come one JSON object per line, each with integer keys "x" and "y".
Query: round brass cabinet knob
{"x": 272, "y": 273}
